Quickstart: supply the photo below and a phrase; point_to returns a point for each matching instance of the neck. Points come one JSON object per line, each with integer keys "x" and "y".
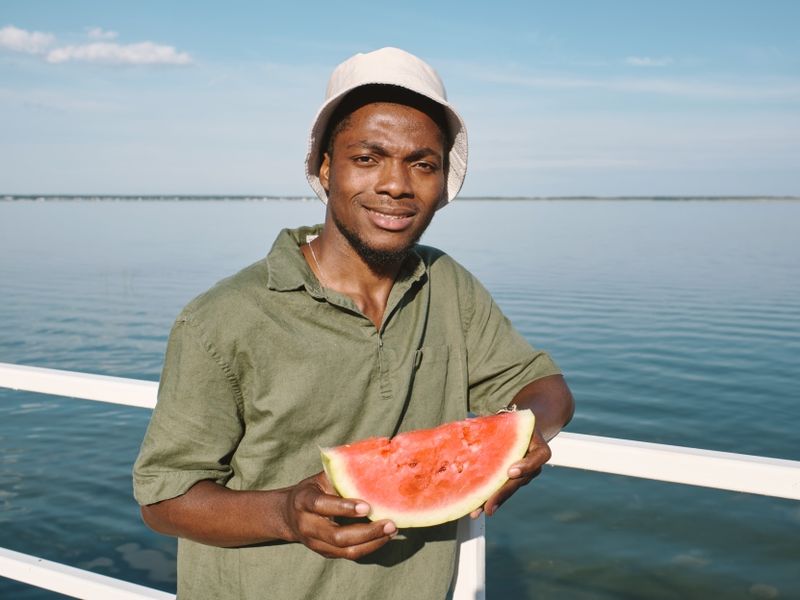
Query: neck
{"x": 339, "y": 267}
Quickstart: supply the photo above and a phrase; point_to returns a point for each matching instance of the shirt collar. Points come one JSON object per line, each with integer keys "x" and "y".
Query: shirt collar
{"x": 288, "y": 269}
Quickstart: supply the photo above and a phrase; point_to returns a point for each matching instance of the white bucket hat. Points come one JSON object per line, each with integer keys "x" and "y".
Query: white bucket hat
{"x": 388, "y": 66}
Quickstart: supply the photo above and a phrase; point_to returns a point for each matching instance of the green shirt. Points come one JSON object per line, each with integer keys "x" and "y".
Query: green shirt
{"x": 268, "y": 366}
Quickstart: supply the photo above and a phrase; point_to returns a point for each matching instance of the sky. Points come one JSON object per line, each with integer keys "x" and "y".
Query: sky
{"x": 568, "y": 98}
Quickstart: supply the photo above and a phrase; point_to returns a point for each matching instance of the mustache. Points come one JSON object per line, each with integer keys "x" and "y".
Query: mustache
{"x": 390, "y": 206}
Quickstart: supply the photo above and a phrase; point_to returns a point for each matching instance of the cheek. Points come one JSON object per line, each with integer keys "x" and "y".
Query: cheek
{"x": 347, "y": 179}
{"x": 431, "y": 187}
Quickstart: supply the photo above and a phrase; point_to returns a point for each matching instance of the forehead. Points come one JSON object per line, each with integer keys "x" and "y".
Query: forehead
{"x": 394, "y": 122}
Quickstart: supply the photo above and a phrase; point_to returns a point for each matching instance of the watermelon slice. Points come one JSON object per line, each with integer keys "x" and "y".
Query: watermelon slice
{"x": 431, "y": 476}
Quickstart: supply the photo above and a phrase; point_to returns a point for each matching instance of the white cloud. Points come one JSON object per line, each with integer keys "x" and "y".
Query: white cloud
{"x": 101, "y": 50}
{"x": 142, "y": 53}
{"x": 98, "y": 33}
{"x": 20, "y": 40}
{"x": 646, "y": 61}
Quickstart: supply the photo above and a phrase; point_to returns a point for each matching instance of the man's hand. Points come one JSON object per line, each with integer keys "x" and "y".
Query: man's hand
{"x": 212, "y": 514}
{"x": 519, "y": 474}
{"x": 551, "y": 401}
{"x": 310, "y": 509}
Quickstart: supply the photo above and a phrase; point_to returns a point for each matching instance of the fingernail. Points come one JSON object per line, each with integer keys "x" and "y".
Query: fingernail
{"x": 362, "y": 508}
{"x": 514, "y": 472}
{"x": 390, "y": 529}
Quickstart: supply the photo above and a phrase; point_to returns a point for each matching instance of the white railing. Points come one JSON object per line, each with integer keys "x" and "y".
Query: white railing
{"x": 70, "y": 581}
{"x": 690, "y": 466}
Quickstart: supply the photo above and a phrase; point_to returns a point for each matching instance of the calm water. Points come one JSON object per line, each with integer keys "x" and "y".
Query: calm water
{"x": 675, "y": 322}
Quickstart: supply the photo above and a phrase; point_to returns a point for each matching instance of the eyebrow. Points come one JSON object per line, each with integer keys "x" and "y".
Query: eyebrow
{"x": 382, "y": 151}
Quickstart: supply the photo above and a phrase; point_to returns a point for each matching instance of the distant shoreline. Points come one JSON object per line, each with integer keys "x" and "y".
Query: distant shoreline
{"x": 267, "y": 198}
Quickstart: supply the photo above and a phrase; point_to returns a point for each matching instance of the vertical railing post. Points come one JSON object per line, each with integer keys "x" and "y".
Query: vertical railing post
{"x": 470, "y": 576}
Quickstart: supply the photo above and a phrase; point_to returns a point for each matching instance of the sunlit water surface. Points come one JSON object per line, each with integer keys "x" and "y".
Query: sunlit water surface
{"x": 675, "y": 322}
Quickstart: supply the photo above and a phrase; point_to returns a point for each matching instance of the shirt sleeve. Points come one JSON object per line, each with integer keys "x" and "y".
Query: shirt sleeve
{"x": 499, "y": 360}
{"x": 196, "y": 424}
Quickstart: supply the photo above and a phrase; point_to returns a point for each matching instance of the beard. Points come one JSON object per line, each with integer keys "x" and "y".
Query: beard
{"x": 376, "y": 259}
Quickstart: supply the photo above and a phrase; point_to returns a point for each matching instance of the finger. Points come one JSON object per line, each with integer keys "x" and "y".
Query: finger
{"x": 507, "y": 490}
{"x": 500, "y": 496}
{"x": 529, "y": 466}
{"x": 327, "y": 505}
{"x": 532, "y": 463}
{"x": 342, "y": 536}
{"x": 322, "y": 481}
{"x": 353, "y": 552}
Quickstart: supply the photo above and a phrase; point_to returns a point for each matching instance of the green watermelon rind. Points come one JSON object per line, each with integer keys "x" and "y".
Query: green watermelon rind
{"x": 336, "y": 469}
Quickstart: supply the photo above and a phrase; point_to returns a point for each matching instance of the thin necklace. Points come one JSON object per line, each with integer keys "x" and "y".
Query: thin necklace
{"x": 316, "y": 262}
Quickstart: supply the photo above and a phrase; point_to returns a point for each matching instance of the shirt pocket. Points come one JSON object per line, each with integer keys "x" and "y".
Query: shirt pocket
{"x": 438, "y": 389}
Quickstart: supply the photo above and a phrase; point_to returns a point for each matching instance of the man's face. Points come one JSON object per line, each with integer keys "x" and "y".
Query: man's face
{"x": 385, "y": 179}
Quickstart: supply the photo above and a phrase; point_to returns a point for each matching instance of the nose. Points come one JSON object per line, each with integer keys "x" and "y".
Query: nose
{"x": 394, "y": 179}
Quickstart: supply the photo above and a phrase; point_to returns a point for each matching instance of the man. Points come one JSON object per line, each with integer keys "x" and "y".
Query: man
{"x": 344, "y": 331}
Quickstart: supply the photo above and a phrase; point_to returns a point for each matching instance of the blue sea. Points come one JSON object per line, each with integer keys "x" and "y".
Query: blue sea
{"x": 675, "y": 321}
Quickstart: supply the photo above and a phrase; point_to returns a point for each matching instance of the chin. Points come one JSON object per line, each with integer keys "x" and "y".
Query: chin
{"x": 374, "y": 255}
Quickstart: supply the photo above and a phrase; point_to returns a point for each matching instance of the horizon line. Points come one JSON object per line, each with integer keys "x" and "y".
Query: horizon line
{"x": 11, "y": 197}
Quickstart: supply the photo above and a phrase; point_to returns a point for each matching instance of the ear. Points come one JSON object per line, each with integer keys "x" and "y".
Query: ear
{"x": 325, "y": 172}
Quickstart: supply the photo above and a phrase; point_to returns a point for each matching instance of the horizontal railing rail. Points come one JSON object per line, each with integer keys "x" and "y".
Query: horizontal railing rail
{"x": 677, "y": 464}
{"x": 71, "y": 581}
{"x": 86, "y": 386}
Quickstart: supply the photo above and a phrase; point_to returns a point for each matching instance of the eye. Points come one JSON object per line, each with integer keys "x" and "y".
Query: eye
{"x": 427, "y": 167}
{"x": 363, "y": 159}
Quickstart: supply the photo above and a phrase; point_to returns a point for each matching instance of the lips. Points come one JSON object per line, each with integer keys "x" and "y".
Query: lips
{"x": 390, "y": 219}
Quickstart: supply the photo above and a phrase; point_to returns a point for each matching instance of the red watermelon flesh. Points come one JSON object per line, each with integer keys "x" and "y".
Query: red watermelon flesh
{"x": 431, "y": 476}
